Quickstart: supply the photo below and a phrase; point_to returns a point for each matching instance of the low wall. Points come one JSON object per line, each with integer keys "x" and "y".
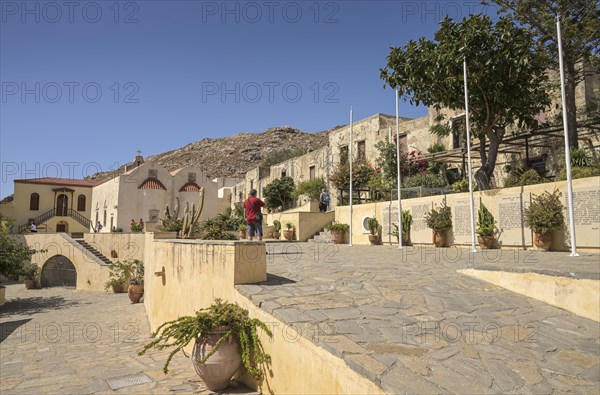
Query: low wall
{"x": 126, "y": 246}
{"x": 197, "y": 272}
{"x": 507, "y": 205}
{"x": 579, "y": 296}
{"x": 306, "y": 223}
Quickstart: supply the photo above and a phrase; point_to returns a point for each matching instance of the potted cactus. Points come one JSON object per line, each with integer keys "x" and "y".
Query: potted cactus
{"x": 407, "y": 221}
{"x": 373, "y": 226}
{"x": 186, "y": 227}
{"x": 486, "y": 227}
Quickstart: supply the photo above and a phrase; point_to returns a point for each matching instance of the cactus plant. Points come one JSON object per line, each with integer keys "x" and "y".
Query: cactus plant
{"x": 184, "y": 226}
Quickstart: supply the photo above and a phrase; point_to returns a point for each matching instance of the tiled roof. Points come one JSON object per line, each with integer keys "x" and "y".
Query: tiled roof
{"x": 152, "y": 183}
{"x": 63, "y": 182}
{"x": 190, "y": 187}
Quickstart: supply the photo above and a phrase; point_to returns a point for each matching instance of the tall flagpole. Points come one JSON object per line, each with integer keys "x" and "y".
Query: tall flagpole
{"x": 567, "y": 149}
{"x": 468, "y": 124}
{"x": 350, "y": 161}
{"x": 398, "y": 180}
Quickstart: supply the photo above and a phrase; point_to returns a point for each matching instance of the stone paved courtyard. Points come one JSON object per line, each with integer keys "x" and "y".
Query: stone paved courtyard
{"x": 62, "y": 341}
{"x": 407, "y": 321}
{"x": 412, "y": 324}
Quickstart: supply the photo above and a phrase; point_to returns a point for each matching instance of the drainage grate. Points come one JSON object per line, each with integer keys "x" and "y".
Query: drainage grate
{"x": 128, "y": 381}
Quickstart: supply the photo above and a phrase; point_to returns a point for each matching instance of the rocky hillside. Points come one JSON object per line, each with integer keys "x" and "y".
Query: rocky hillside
{"x": 234, "y": 156}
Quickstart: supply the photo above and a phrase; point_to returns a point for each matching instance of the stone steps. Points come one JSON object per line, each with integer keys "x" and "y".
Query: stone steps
{"x": 94, "y": 251}
{"x": 322, "y": 236}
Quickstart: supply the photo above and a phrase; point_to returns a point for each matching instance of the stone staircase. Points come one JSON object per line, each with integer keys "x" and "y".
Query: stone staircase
{"x": 322, "y": 236}
{"x": 94, "y": 251}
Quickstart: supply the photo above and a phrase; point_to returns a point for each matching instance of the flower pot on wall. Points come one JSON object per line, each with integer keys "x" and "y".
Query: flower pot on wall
{"x": 242, "y": 234}
{"x": 542, "y": 241}
{"x": 439, "y": 239}
{"x": 288, "y": 234}
{"x": 276, "y": 235}
{"x": 220, "y": 367}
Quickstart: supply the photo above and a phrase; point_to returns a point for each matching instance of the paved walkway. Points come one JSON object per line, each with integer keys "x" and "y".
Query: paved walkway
{"x": 61, "y": 341}
{"x": 409, "y": 322}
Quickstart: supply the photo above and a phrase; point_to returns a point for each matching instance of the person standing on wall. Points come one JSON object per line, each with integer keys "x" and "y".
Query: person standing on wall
{"x": 252, "y": 206}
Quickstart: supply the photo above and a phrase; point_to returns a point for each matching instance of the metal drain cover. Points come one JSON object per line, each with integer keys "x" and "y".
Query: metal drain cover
{"x": 128, "y": 381}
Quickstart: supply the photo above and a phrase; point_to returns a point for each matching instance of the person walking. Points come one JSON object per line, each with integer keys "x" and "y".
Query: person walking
{"x": 98, "y": 227}
{"x": 323, "y": 201}
{"x": 33, "y": 227}
{"x": 252, "y": 206}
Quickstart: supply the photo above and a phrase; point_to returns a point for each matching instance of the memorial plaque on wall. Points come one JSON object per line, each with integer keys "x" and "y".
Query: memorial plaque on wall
{"x": 586, "y": 207}
{"x": 419, "y": 232}
{"x": 390, "y": 216}
{"x": 511, "y": 222}
{"x": 461, "y": 220}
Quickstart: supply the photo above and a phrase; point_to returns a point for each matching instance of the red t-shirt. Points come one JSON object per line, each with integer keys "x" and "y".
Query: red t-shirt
{"x": 250, "y": 213}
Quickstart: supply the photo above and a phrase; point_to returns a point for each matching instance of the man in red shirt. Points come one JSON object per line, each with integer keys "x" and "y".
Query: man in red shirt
{"x": 254, "y": 221}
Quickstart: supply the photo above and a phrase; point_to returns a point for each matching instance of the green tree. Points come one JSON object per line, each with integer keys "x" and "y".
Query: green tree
{"x": 310, "y": 188}
{"x": 13, "y": 254}
{"x": 361, "y": 174}
{"x": 580, "y": 31}
{"x": 279, "y": 193}
{"x": 506, "y": 77}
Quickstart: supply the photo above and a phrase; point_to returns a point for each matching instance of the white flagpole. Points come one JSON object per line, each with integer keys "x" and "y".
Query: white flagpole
{"x": 567, "y": 149}
{"x": 468, "y": 124}
{"x": 398, "y": 180}
{"x": 350, "y": 161}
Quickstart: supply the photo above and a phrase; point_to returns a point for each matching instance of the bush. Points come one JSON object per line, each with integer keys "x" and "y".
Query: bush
{"x": 580, "y": 158}
{"x": 440, "y": 220}
{"x": 279, "y": 193}
{"x": 337, "y": 227}
{"x": 425, "y": 180}
{"x": 361, "y": 174}
{"x": 545, "y": 214}
{"x": 276, "y": 226}
{"x": 579, "y": 172}
{"x": 486, "y": 224}
{"x": 521, "y": 178}
{"x": 463, "y": 185}
{"x": 214, "y": 229}
{"x": 29, "y": 271}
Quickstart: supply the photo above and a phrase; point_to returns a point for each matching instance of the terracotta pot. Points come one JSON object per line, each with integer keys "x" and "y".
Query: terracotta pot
{"x": 542, "y": 241}
{"x": 276, "y": 235}
{"x": 30, "y": 284}
{"x": 288, "y": 234}
{"x": 135, "y": 292}
{"x": 405, "y": 239}
{"x": 439, "y": 239}
{"x": 242, "y": 234}
{"x": 486, "y": 242}
{"x": 374, "y": 239}
{"x": 218, "y": 370}
{"x": 337, "y": 237}
{"x": 119, "y": 289}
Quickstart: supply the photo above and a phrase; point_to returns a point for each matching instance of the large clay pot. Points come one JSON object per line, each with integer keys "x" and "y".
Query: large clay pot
{"x": 276, "y": 235}
{"x": 288, "y": 234}
{"x": 30, "y": 284}
{"x": 119, "y": 289}
{"x": 374, "y": 239}
{"x": 542, "y": 241}
{"x": 405, "y": 239}
{"x": 337, "y": 237}
{"x": 218, "y": 370}
{"x": 135, "y": 292}
{"x": 242, "y": 234}
{"x": 439, "y": 239}
{"x": 486, "y": 242}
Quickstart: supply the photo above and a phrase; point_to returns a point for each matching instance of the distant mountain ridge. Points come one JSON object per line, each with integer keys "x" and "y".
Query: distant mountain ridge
{"x": 233, "y": 156}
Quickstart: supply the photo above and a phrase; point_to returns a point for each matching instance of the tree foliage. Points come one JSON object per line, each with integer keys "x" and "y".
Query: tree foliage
{"x": 279, "y": 193}
{"x": 580, "y": 32}
{"x": 361, "y": 174}
{"x": 310, "y": 188}
{"x": 506, "y": 77}
{"x": 13, "y": 254}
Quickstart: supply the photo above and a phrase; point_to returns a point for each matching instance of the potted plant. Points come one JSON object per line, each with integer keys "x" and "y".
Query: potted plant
{"x": 28, "y": 274}
{"x": 373, "y": 226}
{"x": 225, "y": 339}
{"x": 276, "y": 229}
{"x": 136, "y": 281}
{"x": 440, "y": 221}
{"x": 118, "y": 278}
{"x": 486, "y": 226}
{"x": 337, "y": 231}
{"x": 407, "y": 221}
{"x": 544, "y": 216}
{"x": 243, "y": 228}
{"x": 288, "y": 233}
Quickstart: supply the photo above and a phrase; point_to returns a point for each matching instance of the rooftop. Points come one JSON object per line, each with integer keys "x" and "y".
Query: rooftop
{"x": 60, "y": 182}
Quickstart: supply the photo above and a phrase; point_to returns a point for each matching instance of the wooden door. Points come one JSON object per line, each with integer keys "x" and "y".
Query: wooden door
{"x": 62, "y": 204}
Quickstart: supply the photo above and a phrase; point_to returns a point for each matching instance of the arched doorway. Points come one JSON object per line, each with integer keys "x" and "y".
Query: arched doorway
{"x": 62, "y": 204}
{"x": 59, "y": 271}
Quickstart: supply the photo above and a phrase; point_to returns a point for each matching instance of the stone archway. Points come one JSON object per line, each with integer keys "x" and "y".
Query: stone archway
{"x": 59, "y": 271}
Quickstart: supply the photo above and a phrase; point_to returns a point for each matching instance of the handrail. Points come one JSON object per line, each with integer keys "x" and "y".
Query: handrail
{"x": 52, "y": 213}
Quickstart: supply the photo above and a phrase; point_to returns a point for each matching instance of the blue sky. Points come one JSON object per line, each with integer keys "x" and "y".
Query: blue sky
{"x": 86, "y": 84}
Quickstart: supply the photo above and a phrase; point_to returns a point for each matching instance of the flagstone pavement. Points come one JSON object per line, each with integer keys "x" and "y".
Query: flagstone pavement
{"x": 405, "y": 320}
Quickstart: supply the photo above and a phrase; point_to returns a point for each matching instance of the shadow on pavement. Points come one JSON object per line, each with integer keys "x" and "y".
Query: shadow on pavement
{"x": 6, "y": 328}
{"x": 34, "y": 305}
{"x": 273, "y": 279}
